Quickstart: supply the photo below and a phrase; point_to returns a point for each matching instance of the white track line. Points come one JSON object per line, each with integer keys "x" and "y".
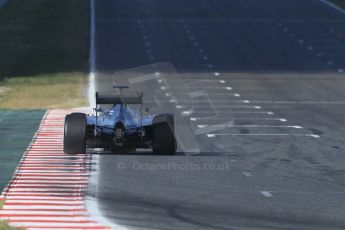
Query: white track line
{"x": 92, "y": 102}
{"x": 262, "y": 134}
{"x": 232, "y": 112}
{"x": 333, "y": 6}
{"x": 92, "y": 75}
{"x": 259, "y": 118}
{"x": 257, "y": 126}
{"x": 301, "y": 102}
{"x": 92, "y": 204}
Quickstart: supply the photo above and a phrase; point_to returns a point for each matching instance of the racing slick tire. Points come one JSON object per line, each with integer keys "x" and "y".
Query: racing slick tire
{"x": 74, "y": 140}
{"x": 164, "y": 141}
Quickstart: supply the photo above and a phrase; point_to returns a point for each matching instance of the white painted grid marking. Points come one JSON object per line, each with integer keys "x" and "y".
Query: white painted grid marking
{"x": 266, "y": 194}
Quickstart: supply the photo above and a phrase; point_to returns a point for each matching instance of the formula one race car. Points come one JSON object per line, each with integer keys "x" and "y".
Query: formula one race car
{"x": 120, "y": 128}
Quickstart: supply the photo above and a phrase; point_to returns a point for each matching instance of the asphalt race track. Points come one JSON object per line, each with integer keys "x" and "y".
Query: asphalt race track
{"x": 274, "y": 72}
{"x": 2, "y": 3}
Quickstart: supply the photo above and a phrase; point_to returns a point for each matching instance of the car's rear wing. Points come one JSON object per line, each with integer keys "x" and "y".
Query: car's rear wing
{"x": 120, "y": 99}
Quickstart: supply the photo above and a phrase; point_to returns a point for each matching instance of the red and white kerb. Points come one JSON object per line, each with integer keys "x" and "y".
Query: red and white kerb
{"x": 47, "y": 189}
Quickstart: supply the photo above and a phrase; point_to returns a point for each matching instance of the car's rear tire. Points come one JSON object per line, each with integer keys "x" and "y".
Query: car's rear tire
{"x": 164, "y": 141}
{"x": 75, "y": 133}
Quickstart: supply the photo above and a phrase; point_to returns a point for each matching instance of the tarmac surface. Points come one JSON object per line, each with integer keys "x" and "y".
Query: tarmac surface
{"x": 264, "y": 145}
{"x": 2, "y": 3}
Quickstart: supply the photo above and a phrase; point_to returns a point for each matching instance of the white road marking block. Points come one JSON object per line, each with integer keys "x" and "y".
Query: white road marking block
{"x": 57, "y": 225}
{"x": 42, "y": 197}
{"x": 270, "y": 126}
{"x": 50, "y": 201}
{"x": 266, "y": 194}
{"x": 247, "y": 174}
{"x": 32, "y": 212}
{"x": 51, "y": 219}
{"x": 263, "y": 134}
{"x": 47, "y": 207}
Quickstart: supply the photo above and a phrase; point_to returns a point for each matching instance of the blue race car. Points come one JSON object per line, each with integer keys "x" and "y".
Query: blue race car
{"x": 119, "y": 129}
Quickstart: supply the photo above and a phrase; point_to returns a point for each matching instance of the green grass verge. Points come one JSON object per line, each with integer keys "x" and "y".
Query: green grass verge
{"x": 44, "y": 47}
{"x": 16, "y": 130}
{"x": 340, "y": 3}
{"x": 4, "y": 224}
{"x": 44, "y": 91}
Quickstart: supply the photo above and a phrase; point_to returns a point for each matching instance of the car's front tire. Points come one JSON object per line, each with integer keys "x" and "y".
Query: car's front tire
{"x": 164, "y": 141}
{"x": 75, "y": 133}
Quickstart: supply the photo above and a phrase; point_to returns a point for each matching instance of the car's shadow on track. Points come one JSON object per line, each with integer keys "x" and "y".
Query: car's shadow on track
{"x": 149, "y": 153}
{"x": 137, "y": 153}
